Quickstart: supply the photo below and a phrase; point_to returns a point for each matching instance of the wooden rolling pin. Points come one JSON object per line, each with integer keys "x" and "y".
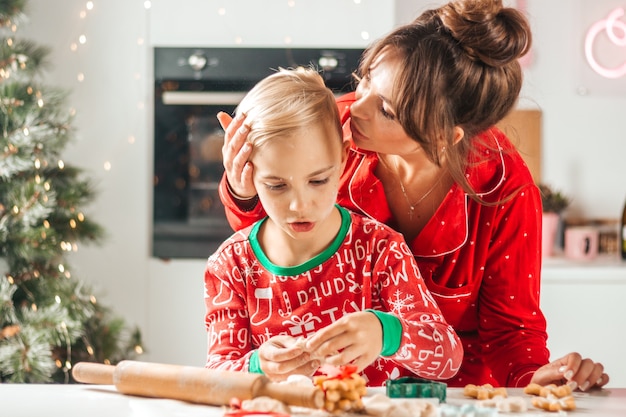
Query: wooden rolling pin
{"x": 193, "y": 384}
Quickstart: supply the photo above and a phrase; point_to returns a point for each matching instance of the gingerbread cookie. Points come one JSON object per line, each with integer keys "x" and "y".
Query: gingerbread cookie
{"x": 543, "y": 391}
{"x": 483, "y": 392}
{"x": 552, "y": 403}
{"x": 551, "y": 397}
{"x": 343, "y": 388}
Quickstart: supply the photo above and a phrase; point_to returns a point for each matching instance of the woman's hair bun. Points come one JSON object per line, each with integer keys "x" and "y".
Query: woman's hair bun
{"x": 487, "y": 31}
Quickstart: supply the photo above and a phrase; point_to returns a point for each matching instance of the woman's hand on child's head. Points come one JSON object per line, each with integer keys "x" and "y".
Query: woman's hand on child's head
{"x": 356, "y": 338}
{"x": 235, "y": 154}
{"x": 282, "y": 356}
{"x": 574, "y": 371}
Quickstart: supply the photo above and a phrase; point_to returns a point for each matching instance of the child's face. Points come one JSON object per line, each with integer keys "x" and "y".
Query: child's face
{"x": 297, "y": 179}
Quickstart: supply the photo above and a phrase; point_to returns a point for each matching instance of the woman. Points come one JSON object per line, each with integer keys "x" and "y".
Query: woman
{"x": 427, "y": 161}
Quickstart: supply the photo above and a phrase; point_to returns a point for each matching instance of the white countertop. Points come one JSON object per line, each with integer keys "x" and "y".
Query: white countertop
{"x": 77, "y": 400}
{"x": 605, "y": 269}
{"x": 601, "y": 261}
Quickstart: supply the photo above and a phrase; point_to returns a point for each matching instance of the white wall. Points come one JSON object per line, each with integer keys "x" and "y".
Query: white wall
{"x": 583, "y": 136}
{"x": 111, "y": 106}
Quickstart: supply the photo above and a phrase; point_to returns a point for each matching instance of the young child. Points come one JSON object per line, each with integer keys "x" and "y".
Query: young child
{"x": 311, "y": 273}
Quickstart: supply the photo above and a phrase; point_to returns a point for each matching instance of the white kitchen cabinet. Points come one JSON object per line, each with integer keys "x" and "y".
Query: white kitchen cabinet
{"x": 585, "y": 306}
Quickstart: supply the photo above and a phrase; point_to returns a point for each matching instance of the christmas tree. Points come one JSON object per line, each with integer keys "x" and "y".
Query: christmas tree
{"x": 49, "y": 319}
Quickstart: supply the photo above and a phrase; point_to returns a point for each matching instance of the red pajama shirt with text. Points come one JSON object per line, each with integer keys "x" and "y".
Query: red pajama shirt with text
{"x": 372, "y": 269}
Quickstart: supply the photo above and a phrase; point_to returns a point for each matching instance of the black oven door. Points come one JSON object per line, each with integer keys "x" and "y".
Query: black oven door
{"x": 191, "y": 86}
{"x": 189, "y": 219}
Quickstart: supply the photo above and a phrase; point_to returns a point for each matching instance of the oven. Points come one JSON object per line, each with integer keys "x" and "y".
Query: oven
{"x": 191, "y": 86}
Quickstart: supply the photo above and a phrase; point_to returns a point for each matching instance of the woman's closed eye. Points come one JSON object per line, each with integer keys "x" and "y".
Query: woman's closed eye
{"x": 386, "y": 114}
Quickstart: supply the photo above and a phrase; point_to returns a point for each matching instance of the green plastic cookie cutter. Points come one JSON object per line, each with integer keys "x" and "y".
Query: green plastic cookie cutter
{"x": 410, "y": 387}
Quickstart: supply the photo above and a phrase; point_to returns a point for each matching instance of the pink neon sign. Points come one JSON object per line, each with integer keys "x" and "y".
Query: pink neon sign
{"x": 616, "y": 32}
{"x": 526, "y": 60}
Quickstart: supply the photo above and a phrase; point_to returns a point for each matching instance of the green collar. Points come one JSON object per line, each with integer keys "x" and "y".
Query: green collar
{"x": 311, "y": 263}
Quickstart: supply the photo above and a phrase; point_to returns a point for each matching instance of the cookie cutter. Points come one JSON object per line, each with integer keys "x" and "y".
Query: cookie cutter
{"x": 411, "y": 387}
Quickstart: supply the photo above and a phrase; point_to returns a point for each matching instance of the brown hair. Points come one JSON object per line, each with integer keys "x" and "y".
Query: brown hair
{"x": 459, "y": 68}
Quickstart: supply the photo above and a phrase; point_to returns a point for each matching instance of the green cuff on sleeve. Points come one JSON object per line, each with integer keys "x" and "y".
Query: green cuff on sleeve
{"x": 392, "y": 332}
{"x": 254, "y": 366}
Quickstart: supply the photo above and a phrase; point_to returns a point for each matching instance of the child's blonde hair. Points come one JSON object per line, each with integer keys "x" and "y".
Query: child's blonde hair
{"x": 288, "y": 101}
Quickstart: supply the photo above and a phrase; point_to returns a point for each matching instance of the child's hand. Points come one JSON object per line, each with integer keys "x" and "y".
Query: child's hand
{"x": 356, "y": 338}
{"x": 281, "y": 357}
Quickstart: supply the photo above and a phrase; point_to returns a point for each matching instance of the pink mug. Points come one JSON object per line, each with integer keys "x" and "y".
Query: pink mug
{"x": 581, "y": 242}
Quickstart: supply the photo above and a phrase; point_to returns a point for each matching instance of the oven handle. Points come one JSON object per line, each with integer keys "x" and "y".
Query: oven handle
{"x": 202, "y": 98}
